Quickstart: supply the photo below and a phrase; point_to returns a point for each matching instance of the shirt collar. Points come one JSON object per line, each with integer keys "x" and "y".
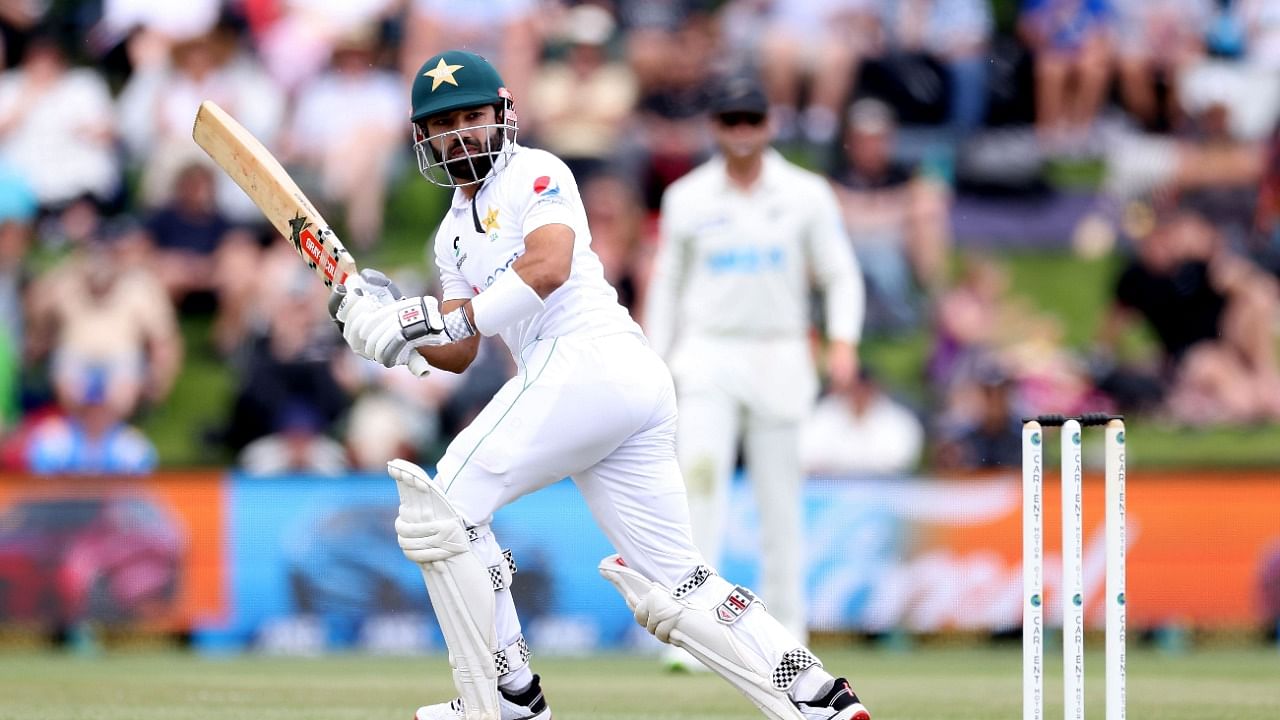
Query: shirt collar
{"x": 462, "y": 202}
{"x": 770, "y": 173}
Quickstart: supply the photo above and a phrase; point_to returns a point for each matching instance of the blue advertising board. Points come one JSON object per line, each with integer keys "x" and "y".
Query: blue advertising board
{"x": 314, "y": 564}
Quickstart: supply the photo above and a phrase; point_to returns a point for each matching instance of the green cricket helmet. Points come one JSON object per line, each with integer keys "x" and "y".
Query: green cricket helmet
{"x": 456, "y": 156}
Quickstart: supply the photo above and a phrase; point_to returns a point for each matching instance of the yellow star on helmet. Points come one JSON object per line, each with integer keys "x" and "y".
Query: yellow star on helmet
{"x": 490, "y": 222}
{"x": 442, "y": 73}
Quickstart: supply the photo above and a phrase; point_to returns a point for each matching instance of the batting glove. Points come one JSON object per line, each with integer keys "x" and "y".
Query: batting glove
{"x": 369, "y": 283}
{"x": 389, "y": 334}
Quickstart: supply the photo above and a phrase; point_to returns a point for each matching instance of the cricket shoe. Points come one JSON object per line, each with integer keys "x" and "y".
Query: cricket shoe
{"x": 527, "y": 705}
{"x": 840, "y": 703}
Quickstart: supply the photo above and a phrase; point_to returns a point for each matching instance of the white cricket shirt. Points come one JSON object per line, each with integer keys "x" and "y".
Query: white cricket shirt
{"x": 741, "y": 264}
{"x": 479, "y": 239}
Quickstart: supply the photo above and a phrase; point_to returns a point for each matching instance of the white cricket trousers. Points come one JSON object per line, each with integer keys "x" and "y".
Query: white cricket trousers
{"x": 602, "y": 411}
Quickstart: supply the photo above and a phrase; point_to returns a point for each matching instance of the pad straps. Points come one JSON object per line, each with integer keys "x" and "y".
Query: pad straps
{"x": 512, "y": 657}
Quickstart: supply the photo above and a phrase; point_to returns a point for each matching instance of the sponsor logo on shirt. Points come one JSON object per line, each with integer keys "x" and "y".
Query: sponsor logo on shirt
{"x": 458, "y": 258}
{"x": 546, "y": 187}
{"x": 498, "y": 272}
{"x": 747, "y": 260}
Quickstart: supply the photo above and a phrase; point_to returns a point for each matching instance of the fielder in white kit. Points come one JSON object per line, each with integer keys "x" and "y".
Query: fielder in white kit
{"x": 745, "y": 238}
{"x": 589, "y": 400}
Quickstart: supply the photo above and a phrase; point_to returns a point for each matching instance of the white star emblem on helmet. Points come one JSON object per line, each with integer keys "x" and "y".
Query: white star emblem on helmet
{"x": 442, "y": 73}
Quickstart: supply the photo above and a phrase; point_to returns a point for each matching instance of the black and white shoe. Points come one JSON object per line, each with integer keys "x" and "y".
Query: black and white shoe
{"x": 840, "y": 703}
{"x": 528, "y": 705}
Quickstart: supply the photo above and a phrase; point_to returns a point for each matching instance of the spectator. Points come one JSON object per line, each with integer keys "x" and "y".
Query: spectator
{"x": 670, "y": 132}
{"x": 102, "y": 316}
{"x": 1220, "y": 145}
{"x": 157, "y": 104}
{"x": 654, "y": 32}
{"x": 1071, "y": 43}
{"x": 17, "y": 21}
{"x": 979, "y": 325}
{"x": 504, "y": 32}
{"x": 297, "y": 38}
{"x": 346, "y": 126}
{"x": 288, "y": 363}
{"x": 1162, "y": 39}
{"x": 1227, "y": 107}
{"x": 742, "y": 26}
{"x": 394, "y": 415}
{"x": 1264, "y": 246}
{"x": 17, "y": 213}
{"x": 617, "y": 224}
{"x": 987, "y": 432}
{"x": 297, "y": 445}
{"x": 1214, "y": 315}
{"x": 255, "y": 281}
{"x": 169, "y": 21}
{"x": 968, "y": 319}
{"x": 1243, "y": 71}
{"x": 861, "y": 429}
{"x": 92, "y": 437}
{"x": 821, "y": 42}
{"x": 1261, "y": 24}
{"x": 187, "y": 233}
{"x": 581, "y": 105}
{"x": 897, "y": 219}
{"x": 955, "y": 35}
{"x": 57, "y": 128}
{"x": 670, "y": 140}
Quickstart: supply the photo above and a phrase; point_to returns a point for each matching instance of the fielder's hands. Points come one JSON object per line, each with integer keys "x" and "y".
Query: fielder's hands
{"x": 380, "y": 324}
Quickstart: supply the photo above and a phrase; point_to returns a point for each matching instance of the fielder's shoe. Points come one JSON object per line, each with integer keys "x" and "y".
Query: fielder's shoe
{"x": 528, "y": 705}
{"x": 840, "y": 703}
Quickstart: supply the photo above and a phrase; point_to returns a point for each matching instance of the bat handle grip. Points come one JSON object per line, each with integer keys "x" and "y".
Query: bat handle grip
{"x": 418, "y": 365}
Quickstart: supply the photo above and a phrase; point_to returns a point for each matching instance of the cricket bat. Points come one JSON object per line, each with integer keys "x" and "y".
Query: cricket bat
{"x": 265, "y": 181}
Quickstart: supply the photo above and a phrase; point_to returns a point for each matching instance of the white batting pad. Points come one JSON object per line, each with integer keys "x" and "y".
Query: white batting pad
{"x": 432, "y": 534}
{"x": 714, "y": 620}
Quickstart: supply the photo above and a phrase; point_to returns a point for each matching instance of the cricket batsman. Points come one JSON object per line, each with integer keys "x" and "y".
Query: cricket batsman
{"x": 746, "y": 238}
{"x": 589, "y": 400}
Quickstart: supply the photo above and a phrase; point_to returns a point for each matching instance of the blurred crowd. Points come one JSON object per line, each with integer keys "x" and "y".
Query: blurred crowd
{"x": 116, "y": 233}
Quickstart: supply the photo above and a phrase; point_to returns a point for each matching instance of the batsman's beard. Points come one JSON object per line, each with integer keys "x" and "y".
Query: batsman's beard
{"x": 468, "y": 161}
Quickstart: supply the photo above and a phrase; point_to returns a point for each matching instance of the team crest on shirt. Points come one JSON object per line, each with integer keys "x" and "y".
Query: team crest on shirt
{"x": 490, "y": 224}
{"x": 546, "y": 187}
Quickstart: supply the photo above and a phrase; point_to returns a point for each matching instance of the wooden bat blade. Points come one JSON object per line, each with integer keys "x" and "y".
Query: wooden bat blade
{"x": 265, "y": 181}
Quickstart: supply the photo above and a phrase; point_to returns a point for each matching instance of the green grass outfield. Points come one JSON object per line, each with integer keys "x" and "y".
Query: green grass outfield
{"x": 920, "y": 684}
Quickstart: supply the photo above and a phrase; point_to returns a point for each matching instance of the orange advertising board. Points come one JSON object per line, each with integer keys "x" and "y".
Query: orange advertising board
{"x": 147, "y": 551}
{"x": 1197, "y": 546}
